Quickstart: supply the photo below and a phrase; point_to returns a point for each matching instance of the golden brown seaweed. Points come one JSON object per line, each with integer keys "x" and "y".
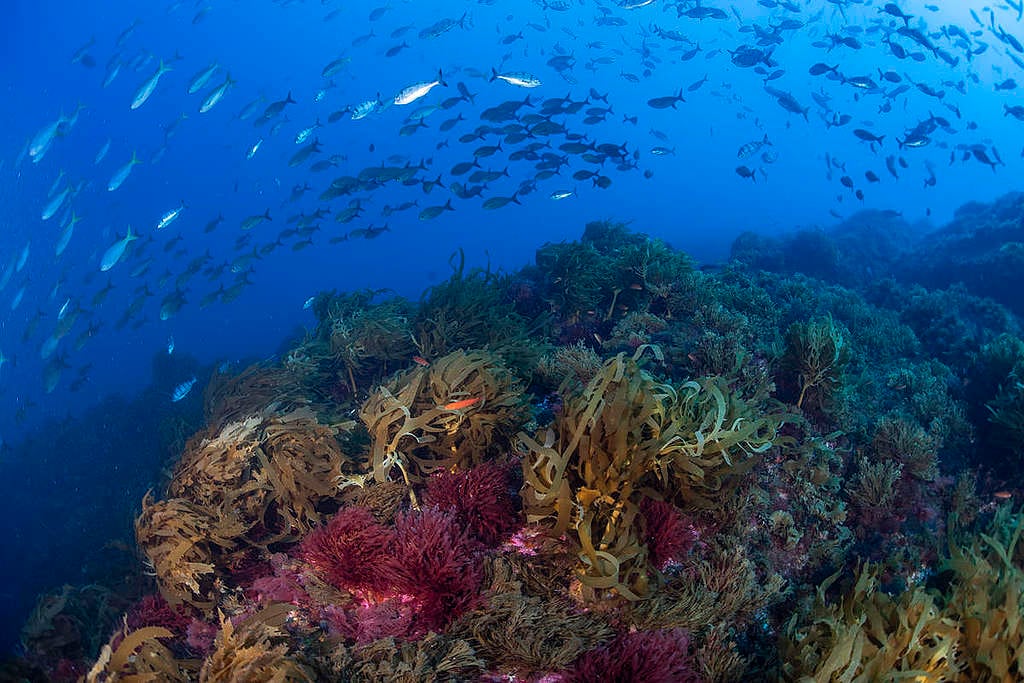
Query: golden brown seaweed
{"x": 626, "y": 436}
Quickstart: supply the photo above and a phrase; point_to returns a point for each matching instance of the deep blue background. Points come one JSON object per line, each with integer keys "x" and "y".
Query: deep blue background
{"x": 694, "y": 199}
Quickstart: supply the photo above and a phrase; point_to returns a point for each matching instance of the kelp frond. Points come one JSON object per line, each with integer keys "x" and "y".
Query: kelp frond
{"x": 622, "y": 437}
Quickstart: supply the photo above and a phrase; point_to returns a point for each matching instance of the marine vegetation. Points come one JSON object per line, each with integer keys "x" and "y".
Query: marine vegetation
{"x": 641, "y": 470}
{"x": 454, "y": 413}
{"x": 626, "y": 437}
{"x": 962, "y": 627}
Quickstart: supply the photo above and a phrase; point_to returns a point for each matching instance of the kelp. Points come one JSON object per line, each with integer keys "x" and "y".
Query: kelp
{"x": 70, "y": 623}
{"x": 263, "y": 479}
{"x": 988, "y": 599}
{"x": 257, "y": 389}
{"x": 626, "y": 436}
{"x": 140, "y": 657}
{"x": 255, "y": 650}
{"x": 181, "y": 541}
{"x": 973, "y": 632}
{"x": 456, "y": 413}
{"x": 270, "y": 471}
{"x": 870, "y": 636}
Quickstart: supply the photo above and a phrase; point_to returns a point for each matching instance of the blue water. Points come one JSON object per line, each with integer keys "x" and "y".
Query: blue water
{"x": 693, "y": 198}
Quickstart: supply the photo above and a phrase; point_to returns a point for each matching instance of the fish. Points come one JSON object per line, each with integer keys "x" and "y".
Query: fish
{"x": 517, "y": 78}
{"x": 122, "y": 173}
{"x": 217, "y": 95}
{"x": 116, "y": 251}
{"x": 149, "y": 86}
{"x": 170, "y": 216}
{"x": 666, "y": 102}
{"x": 462, "y": 404}
{"x": 562, "y": 194}
{"x": 751, "y": 148}
{"x": 254, "y": 220}
{"x": 170, "y": 345}
{"x": 411, "y": 93}
{"x": 53, "y": 206}
{"x": 200, "y": 80}
{"x": 183, "y": 389}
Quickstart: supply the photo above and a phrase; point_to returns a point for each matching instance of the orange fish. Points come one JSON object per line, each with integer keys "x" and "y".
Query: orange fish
{"x": 1003, "y": 495}
{"x": 637, "y": 286}
{"x": 420, "y": 360}
{"x": 460, "y": 405}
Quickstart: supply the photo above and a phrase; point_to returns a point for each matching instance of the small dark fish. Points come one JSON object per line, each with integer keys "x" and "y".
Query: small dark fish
{"x": 868, "y": 136}
{"x": 822, "y": 68}
{"x": 745, "y": 172}
{"x": 666, "y": 101}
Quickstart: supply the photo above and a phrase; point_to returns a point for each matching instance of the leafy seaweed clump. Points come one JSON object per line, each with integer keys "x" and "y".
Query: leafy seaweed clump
{"x": 625, "y": 437}
{"x": 459, "y": 411}
{"x": 817, "y": 351}
{"x": 970, "y": 632}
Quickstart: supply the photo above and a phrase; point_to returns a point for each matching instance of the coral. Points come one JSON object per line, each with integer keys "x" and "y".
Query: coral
{"x": 353, "y": 551}
{"x": 641, "y": 656}
{"x": 153, "y": 610}
{"x": 479, "y": 500}
{"x": 363, "y": 624}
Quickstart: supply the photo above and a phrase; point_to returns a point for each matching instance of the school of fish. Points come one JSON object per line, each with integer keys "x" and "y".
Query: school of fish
{"x": 530, "y": 128}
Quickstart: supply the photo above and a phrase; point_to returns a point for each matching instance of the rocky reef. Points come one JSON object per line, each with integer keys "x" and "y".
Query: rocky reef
{"x": 609, "y": 465}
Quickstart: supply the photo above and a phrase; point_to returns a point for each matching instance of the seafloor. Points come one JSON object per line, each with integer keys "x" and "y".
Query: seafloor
{"x": 611, "y": 465}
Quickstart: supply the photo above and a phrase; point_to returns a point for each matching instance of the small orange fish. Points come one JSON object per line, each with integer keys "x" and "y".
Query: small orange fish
{"x": 420, "y": 360}
{"x": 1003, "y": 495}
{"x": 637, "y": 286}
{"x": 460, "y": 405}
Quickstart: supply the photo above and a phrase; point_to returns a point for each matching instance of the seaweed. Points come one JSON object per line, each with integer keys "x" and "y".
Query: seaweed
{"x": 452, "y": 415}
{"x": 526, "y": 633}
{"x": 436, "y": 658}
{"x": 475, "y": 311}
{"x": 620, "y": 439}
{"x": 818, "y": 351}
{"x": 140, "y": 656}
{"x": 255, "y": 650}
{"x": 260, "y": 480}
